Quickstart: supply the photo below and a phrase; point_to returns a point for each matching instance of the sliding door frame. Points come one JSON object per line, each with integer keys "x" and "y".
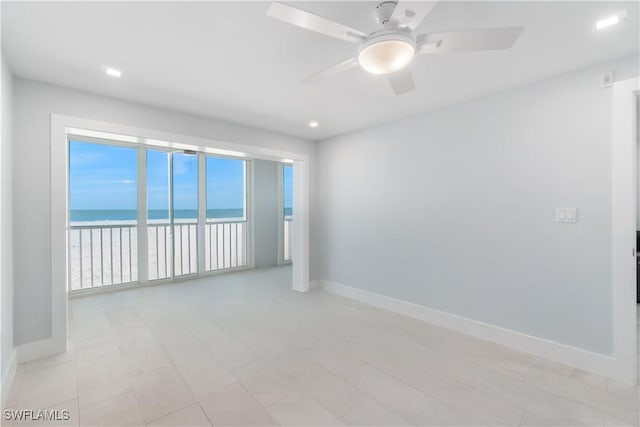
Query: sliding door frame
{"x": 281, "y": 215}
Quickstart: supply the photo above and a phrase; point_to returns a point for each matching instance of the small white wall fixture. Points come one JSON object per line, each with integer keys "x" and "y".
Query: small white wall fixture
{"x": 625, "y": 192}
{"x": 62, "y": 125}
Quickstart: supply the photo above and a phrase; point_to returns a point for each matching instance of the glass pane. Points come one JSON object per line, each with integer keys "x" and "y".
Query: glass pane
{"x": 103, "y": 202}
{"x": 287, "y": 189}
{"x": 287, "y": 180}
{"x": 225, "y": 188}
{"x": 185, "y": 205}
{"x": 226, "y": 228}
{"x": 158, "y": 197}
{"x": 159, "y": 233}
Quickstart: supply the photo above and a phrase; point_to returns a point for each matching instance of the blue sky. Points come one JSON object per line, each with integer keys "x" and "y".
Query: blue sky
{"x": 102, "y": 177}
{"x": 105, "y": 177}
{"x": 288, "y": 186}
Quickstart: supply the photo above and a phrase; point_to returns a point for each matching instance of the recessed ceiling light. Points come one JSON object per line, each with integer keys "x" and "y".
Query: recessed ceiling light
{"x": 113, "y": 72}
{"x": 313, "y": 124}
{"x": 610, "y": 20}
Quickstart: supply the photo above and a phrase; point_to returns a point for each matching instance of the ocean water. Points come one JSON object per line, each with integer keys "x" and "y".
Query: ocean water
{"x": 90, "y": 215}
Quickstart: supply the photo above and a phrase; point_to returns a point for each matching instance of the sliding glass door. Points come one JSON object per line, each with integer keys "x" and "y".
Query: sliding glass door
{"x": 226, "y": 214}
{"x": 103, "y": 228}
{"x": 184, "y": 180}
{"x": 172, "y": 214}
{"x": 195, "y": 221}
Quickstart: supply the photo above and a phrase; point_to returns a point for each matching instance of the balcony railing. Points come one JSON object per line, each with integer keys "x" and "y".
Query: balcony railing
{"x": 104, "y": 255}
{"x": 160, "y": 240}
{"x": 225, "y": 245}
{"x": 287, "y": 238}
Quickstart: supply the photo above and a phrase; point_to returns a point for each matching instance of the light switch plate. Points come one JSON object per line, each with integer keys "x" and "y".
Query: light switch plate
{"x": 566, "y": 214}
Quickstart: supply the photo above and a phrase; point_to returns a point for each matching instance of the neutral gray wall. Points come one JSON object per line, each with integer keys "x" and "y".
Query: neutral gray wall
{"x": 34, "y": 102}
{"x": 455, "y": 209}
{"x": 266, "y": 213}
{"x": 6, "y": 234}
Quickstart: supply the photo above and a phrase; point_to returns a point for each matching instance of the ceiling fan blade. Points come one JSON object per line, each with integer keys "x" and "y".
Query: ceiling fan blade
{"x": 402, "y": 81}
{"x": 409, "y": 14}
{"x": 309, "y": 21}
{"x": 469, "y": 40}
{"x": 333, "y": 70}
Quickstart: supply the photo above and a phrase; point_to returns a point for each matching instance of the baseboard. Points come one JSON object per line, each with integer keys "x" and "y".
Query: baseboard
{"x": 8, "y": 376}
{"x": 39, "y": 349}
{"x": 565, "y": 354}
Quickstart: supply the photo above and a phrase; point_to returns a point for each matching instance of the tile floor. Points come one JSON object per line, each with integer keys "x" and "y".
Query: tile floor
{"x": 243, "y": 349}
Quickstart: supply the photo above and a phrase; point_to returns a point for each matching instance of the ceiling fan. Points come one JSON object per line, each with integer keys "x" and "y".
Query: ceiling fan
{"x": 392, "y": 48}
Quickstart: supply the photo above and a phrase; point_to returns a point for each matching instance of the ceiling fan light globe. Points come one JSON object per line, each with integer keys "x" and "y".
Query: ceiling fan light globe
{"x": 386, "y": 56}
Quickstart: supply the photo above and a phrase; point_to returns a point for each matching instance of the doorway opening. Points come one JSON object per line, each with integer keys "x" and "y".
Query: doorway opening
{"x": 623, "y": 365}
{"x": 62, "y": 126}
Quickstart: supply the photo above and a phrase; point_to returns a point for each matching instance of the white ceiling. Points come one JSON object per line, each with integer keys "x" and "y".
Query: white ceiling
{"x": 228, "y": 60}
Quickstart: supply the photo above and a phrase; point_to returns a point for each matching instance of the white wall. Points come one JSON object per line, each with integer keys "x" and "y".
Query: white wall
{"x": 6, "y": 235}
{"x": 34, "y": 102}
{"x": 454, "y": 209}
{"x": 266, "y": 213}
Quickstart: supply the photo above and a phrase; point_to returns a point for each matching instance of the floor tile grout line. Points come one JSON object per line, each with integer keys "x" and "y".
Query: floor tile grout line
{"x": 185, "y": 383}
{"x": 346, "y": 380}
{"x": 172, "y": 412}
{"x": 307, "y": 395}
{"x": 133, "y": 391}
{"x": 205, "y": 413}
{"x": 386, "y": 406}
{"x": 177, "y": 371}
{"x": 75, "y": 365}
{"x": 54, "y": 403}
{"x": 254, "y": 397}
{"x": 405, "y": 383}
{"x": 304, "y": 392}
{"x": 135, "y": 394}
{"x": 524, "y": 414}
{"x": 525, "y": 380}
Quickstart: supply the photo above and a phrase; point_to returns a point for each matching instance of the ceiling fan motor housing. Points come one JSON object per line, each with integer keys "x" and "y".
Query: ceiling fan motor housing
{"x": 384, "y": 35}
{"x": 384, "y": 11}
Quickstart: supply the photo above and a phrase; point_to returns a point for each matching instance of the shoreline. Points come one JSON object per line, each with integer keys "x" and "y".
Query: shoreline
{"x": 165, "y": 221}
